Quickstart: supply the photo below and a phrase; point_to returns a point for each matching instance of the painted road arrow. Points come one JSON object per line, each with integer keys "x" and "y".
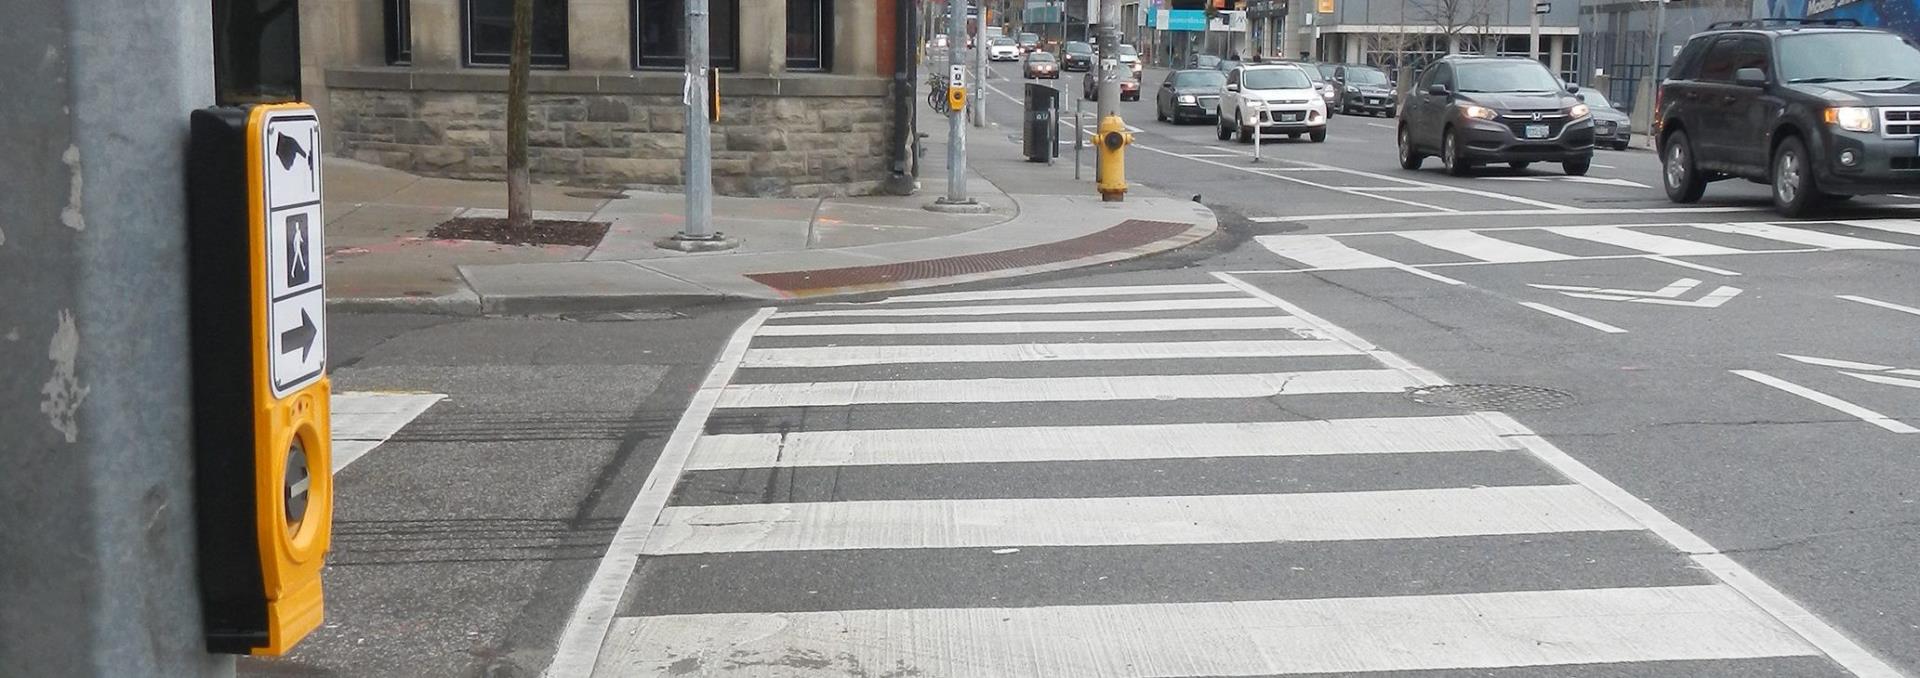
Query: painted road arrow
{"x": 300, "y": 337}
{"x": 1666, "y": 296}
{"x": 1878, "y": 374}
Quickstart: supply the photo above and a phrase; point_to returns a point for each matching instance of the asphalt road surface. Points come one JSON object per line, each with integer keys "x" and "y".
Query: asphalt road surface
{"x": 1388, "y": 423}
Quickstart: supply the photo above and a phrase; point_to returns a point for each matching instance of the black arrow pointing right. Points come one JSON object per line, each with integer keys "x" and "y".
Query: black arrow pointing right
{"x": 300, "y": 337}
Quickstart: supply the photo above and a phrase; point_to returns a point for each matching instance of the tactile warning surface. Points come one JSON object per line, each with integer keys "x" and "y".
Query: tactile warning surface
{"x": 1122, "y": 236}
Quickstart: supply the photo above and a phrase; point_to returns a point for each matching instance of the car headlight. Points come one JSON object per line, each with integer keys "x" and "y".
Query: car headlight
{"x": 1352, "y": 90}
{"x": 1187, "y": 99}
{"x": 1851, "y": 118}
{"x": 1480, "y": 112}
{"x": 1580, "y": 111}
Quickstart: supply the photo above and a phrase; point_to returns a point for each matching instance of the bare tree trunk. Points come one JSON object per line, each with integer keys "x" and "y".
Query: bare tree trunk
{"x": 519, "y": 203}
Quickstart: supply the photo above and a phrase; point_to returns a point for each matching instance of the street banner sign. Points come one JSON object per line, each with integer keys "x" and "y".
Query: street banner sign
{"x": 263, "y": 475}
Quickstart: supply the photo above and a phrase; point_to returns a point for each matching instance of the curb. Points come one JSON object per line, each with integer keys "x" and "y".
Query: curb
{"x": 469, "y": 303}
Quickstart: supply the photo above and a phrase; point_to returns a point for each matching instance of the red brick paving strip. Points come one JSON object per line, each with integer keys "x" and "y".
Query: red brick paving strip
{"x": 1123, "y": 236}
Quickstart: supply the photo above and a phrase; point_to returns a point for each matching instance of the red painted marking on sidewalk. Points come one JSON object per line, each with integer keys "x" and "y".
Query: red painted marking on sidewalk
{"x": 1123, "y": 236}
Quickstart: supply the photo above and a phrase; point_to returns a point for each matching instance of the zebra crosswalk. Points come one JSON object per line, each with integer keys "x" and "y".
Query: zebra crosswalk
{"x": 1205, "y": 481}
{"x": 1532, "y": 244}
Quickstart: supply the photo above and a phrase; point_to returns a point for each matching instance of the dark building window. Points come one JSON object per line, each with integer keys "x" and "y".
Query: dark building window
{"x": 399, "y": 30}
{"x": 660, "y": 33}
{"x": 489, "y": 34}
{"x": 810, "y": 35}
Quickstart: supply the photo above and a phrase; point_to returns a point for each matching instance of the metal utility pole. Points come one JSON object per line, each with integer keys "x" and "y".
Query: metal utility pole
{"x": 1659, "y": 24}
{"x": 1533, "y": 31}
{"x": 978, "y": 102}
{"x": 956, "y": 199}
{"x": 98, "y": 537}
{"x": 697, "y": 235}
{"x": 1109, "y": 77}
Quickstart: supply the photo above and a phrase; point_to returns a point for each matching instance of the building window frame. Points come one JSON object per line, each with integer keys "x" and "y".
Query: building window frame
{"x": 722, "y": 57}
{"x": 398, "y": 29}
{"x": 472, "y": 57}
{"x": 821, "y": 60}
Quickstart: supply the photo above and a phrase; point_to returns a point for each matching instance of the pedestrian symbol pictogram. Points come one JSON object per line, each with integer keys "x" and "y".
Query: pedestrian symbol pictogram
{"x": 299, "y": 265}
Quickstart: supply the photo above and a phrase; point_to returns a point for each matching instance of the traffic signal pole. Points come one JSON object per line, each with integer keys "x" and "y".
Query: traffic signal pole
{"x": 97, "y": 528}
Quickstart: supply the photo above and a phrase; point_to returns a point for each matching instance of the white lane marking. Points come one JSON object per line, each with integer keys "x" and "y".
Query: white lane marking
{"x": 1349, "y": 216}
{"x": 1038, "y": 326}
{"x": 1550, "y": 207}
{"x": 1694, "y": 266}
{"x": 1604, "y": 166}
{"x": 1668, "y": 296}
{"x": 1651, "y": 243}
{"x": 1484, "y": 248}
{"x": 1382, "y": 126}
{"x": 1600, "y": 181}
{"x": 1575, "y": 317}
{"x": 1385, "y": 435}
{"x": 842, "y": 356}
{"x": 1326, "y": 636}
{"x": 1801, "y": 236}
{"x": 1829, "y": 640}
{"x": 1058, "y": 389}
{"x": 1430, "y": 275}
{"x": 1323, "y": 252}
{"x": 1842, "y": 364}
{"x": 1888, "y": 380}
{"x": 1882, "y": 304}
{"x": 1904, "y": 226}
{"x": 1054, "y": 292}
{"x": 363, "y": 420}
{"x": 586, "y": 629}
{"x": 1211, "y": 155}
{"x": 1115, "y": 521}
{"x": 1850, "y": 409}
{"x": 1303, "y": 182}
{"x": 1015, "y": 309}
{"x": 1398, "y": 189}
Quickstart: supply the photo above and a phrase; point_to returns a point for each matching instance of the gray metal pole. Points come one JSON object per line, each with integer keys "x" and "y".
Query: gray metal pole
{"x": 977, "y": 102}
{"x": 1659, "y": 25}
{"x": 697, "y": 235}
{"x": 98, "y": 536}
{"x": 1109, "y": 67}
{"x": 956, "y": 126}
{"x": 1533, "y": 32}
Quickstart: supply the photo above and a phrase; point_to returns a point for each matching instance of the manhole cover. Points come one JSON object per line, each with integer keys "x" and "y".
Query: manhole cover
{"x": 1491, "y": 397}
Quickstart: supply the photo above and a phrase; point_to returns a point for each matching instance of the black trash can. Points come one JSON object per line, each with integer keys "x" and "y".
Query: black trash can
{"x": 1040, "y": 133}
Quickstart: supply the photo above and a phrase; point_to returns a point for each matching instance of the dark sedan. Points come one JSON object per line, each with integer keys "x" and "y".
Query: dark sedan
{"x": 1189, "y": 95}
{"x": 1076, "y": 56}
{"x": 1129, "y": 88}
{"x": 1611, "y": 128}
{"x": 1041, "y": 65}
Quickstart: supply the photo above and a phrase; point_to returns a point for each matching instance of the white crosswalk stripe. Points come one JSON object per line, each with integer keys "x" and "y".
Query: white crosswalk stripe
{"x": 1500, "y": 245}
{"x": 364, "y": 420}
{"x": 918, "y": 458}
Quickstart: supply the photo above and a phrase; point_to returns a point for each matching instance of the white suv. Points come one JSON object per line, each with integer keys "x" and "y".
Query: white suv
{"x": 1271, "y": 99}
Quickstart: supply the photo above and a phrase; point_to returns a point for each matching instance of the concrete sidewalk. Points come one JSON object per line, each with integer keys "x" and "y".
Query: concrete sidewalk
{"x": 379, "y": 257}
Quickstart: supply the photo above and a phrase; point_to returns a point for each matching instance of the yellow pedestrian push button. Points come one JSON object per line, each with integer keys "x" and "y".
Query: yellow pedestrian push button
{"x": 263, "y": 481}
{"x": 956, "y": 88}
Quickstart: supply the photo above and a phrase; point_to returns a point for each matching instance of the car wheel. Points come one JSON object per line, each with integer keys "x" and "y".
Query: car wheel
{"x": 1577, "y": 168}
{"x": 1318, "y": 136}
{"x": 1220, "y": 126}
{"x": 1620, "y": 146}
{"x": 1450, "y": 156}
{"x": 1794, "y": 194}
{"x": 1391, "y": 113}
{"x": 1246, "y": 133}
{"x": 1409, "y": 159}
{"x": 1677, "y": 172}
{"x": 1519, "y": 165}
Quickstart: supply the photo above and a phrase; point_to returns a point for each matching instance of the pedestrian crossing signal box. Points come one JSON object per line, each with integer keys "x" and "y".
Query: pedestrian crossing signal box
{"x": 263, "y": 481}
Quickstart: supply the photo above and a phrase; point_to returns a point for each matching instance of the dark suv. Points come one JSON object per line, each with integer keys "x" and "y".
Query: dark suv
{"x": 1472, "y": 110}
{"x": 1076, "y": 56}
{"x": 1818, "y": 109}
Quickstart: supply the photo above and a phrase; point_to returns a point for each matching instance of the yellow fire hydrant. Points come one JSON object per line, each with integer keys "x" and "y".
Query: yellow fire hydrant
{"x": 1112, "y": 139}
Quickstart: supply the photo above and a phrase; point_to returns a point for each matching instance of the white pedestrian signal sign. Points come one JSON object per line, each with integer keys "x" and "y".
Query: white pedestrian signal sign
{"x": 296, "y": 286}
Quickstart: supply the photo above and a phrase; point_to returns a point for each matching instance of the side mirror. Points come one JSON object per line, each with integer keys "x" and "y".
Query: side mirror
{"x": 1438, "y": 89}
{"x": 1750, "y": 77}
{"x": 1579, "y": 96}
{"x": 1233, "y": 88}
{"x": 1573, "y": 89}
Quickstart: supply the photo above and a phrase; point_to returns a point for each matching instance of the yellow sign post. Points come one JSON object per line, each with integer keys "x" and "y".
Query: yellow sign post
{"x": 264, "y": 481}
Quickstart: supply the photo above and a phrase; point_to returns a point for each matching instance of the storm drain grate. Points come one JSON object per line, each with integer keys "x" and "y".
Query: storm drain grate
{"x": 1491, "y": 397}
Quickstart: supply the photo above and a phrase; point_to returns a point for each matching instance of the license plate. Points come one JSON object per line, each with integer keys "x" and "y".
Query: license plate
{"x": 1373, "y": 102}
{"x": 1289, "y": 117}
{"x": 1536, "y": 131}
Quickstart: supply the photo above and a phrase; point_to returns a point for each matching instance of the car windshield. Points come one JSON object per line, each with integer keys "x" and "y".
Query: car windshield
{"x": 1001, "y": 42}
{"x": 1594, "y": 98}
{"x": 1205, "y": 61}
{"x": 1213, "y": 79}
{"x": 1326, "y": 70}
{"x": 1079, "y": 48}
{"x": 1275, "y": 78}
{"x": 1039, "y": 56}
{"x": 1365, "y": 76}
{"x": 1505, "y": 76}
{"x": 1848, "y": 56}
{"x": 1127, "y": 50}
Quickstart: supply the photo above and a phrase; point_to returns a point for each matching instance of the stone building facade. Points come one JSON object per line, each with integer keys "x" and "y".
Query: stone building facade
{"x": 415, "y": 85}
